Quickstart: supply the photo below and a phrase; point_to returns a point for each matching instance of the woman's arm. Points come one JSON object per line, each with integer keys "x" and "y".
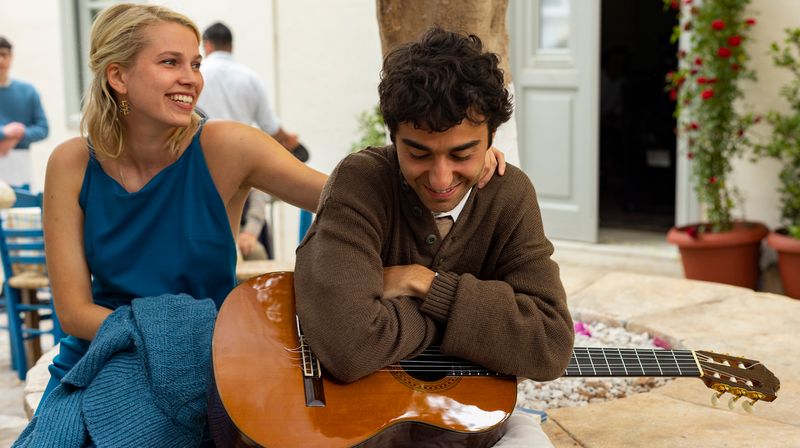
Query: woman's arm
{"x": 241, "y": 157}
{"x": 64, "y": 246}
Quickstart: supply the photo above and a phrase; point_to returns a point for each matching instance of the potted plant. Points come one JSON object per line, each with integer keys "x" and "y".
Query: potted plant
{"x": 706, "y": 87}
{"x": 784, "y": 145}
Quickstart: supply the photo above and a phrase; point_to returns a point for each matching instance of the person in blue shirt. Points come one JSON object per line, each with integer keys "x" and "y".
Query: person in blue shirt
{"x": 22, "y": 119}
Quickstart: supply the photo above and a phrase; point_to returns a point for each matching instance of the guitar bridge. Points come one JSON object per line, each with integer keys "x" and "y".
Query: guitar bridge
{"x": 312, "y": 372}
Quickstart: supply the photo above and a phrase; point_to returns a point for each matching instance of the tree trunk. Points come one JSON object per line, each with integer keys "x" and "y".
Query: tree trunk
{"x": 402, "y": 21}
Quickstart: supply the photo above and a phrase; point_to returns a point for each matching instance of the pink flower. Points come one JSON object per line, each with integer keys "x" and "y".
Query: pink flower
{"x": 718, "y": 24}
{"x": 734, "y": 41}
{"x": 692, "y": 231}
{"x": 724, "y": 52}
{"x": 660, "y": 343}
{"x": 582, "y": 328}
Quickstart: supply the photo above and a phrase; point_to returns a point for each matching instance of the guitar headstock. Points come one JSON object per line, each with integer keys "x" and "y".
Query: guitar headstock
{"x": 740, "y": 377}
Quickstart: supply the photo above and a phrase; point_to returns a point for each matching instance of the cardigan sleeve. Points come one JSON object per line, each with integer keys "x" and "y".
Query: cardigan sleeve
{"x": 515, "y": 321}
{"x": 339, "y": 283}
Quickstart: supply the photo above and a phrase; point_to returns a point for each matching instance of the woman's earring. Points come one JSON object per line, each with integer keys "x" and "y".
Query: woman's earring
{"x": 124, "y": 108}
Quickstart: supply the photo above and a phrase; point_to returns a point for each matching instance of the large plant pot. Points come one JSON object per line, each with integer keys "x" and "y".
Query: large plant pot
{"x": 788, "y": 249}
{"x": 725, "y": 257}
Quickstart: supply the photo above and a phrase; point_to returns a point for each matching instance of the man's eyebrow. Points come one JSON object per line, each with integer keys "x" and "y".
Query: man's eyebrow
{"x": 422, "y": 147}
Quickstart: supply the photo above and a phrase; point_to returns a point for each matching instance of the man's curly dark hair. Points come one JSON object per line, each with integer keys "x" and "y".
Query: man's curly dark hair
{"x": 440, "y": 80}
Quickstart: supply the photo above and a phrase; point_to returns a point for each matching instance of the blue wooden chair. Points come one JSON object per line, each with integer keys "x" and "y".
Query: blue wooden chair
{"x": 26, "y": 285}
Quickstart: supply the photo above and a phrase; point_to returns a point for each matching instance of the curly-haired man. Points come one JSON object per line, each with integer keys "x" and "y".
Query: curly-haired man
{"x": 405, "y": 252}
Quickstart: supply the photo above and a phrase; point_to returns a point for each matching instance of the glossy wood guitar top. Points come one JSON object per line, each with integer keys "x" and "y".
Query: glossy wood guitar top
{"x": 260, "y": 383}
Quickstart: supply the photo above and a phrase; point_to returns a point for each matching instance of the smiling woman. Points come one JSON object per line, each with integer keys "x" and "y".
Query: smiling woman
{"x": 146, "y": 204}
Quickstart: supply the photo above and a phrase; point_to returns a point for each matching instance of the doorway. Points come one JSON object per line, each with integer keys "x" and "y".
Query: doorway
{"x": 637, "y": 168}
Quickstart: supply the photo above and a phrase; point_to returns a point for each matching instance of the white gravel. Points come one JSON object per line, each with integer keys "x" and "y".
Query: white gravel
{"x": 571, "y": 392}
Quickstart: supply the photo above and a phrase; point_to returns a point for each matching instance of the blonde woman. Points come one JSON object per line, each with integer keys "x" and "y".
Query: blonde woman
{"x": 149, "y": 201}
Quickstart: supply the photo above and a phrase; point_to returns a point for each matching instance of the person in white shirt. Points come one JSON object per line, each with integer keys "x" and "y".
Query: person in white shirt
{"x": 235, "y": 92}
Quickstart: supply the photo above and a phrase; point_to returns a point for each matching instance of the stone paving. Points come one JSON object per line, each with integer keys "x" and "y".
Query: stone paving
{"x": 692, "y": 315}
{"x": 688, "y": 314}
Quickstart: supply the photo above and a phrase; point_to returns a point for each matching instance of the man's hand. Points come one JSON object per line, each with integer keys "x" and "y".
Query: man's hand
{"x": 14, "y": 130}
{"x": 247, "y": 241}
{"x": 495, "y": 159}
{"x": 7, "y": 145}
{"x": 407, "y": 280}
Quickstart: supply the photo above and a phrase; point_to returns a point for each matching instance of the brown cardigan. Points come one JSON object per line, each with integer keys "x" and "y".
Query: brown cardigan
{"x": 497, "y": 301}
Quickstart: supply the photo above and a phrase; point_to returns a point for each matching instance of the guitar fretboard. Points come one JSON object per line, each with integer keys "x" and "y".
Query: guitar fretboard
{"x": 599, "y": 362}
{"x": 585, "y": 362}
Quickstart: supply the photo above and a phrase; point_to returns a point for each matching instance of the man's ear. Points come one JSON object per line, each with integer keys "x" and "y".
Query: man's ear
{"x": 117, "y": 78}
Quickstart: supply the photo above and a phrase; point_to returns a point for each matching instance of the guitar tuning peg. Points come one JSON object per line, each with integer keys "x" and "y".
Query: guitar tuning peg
{"x": 748, "y": 406}
{"x": 715, "y": 398}
{"x": 732, "y": 402}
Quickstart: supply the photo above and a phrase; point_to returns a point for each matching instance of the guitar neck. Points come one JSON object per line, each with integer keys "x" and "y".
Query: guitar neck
{"x": 631, "y": 362}
{"x": 585, "y": 362}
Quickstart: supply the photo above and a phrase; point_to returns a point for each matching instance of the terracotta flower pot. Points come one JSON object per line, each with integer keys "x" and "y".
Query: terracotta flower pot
{"x": 788, "y": 249}
{"x": 725, "y": 257}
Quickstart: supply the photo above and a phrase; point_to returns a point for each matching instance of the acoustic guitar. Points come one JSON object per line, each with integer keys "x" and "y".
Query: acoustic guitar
{"x": 272, "y": 392}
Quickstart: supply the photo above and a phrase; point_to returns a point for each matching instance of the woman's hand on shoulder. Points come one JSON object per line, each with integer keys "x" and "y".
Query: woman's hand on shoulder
{"x": 495, "y": 161}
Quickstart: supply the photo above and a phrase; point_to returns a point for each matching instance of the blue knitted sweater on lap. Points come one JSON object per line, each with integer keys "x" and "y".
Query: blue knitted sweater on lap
{"x": 142, "y": 382}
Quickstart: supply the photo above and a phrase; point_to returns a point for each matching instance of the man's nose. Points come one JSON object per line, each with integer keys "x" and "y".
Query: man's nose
{"x": 441, "y": 174}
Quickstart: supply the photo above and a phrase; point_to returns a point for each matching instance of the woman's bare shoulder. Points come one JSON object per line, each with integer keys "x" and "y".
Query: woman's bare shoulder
{"x": 67, "y": 162}
{"x": 225, "y": 134}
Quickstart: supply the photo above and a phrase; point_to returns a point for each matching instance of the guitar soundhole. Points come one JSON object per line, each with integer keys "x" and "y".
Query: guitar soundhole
{"x": 424, "y": 382}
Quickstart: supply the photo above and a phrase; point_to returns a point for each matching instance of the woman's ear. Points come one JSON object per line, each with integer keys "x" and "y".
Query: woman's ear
{"x": 116, "y": 78}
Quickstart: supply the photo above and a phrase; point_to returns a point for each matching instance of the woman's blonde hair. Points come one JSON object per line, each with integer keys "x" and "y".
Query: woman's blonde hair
{"x": 117, "y": 37}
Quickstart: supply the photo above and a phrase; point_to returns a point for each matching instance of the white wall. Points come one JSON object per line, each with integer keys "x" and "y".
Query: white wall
{"x": 35, "y": 32}
{"x": 759, "y": 181}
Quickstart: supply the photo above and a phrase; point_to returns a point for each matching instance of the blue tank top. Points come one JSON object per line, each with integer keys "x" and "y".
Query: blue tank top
{"x": 172, "y": 236}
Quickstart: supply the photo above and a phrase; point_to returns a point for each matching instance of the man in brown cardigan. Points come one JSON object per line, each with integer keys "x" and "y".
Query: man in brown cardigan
{"x": 405, "y": 251}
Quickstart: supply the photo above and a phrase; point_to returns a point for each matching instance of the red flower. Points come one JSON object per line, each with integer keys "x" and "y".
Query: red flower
{"x": 734, "y": 41}
{"x": 735, "y": 67}
{"x": 674, "y": 4}
{"x": 712, "y": 179}
{"x": 702, "y": 80}
{"x": 693, "y": 126}
{"x": 724, "y": 52}
{"x": 673, "y": 95}
{"x": 707, "y": 94}
{"x": 698, "y": 61}
{"x": 718, "y": 24}
{"x": 692, "y": 231}
{"x": 751, "y": 21}
{"x": 690, "y": 155}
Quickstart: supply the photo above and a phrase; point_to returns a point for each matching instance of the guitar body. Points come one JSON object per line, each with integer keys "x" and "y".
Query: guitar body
{"x": 261, "y": 395}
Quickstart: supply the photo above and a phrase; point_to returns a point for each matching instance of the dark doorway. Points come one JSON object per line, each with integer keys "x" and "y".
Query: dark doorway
{"x": 637, "y": 137}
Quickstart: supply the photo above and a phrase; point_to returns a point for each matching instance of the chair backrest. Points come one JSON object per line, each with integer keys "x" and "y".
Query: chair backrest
{"x": 21, "y": 235}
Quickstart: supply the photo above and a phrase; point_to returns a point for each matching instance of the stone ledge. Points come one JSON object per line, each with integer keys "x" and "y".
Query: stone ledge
{"x": 698, "y": 316}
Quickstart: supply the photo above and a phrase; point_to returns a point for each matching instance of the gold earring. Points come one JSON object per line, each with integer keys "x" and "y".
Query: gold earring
{"x": 124, "y": 108}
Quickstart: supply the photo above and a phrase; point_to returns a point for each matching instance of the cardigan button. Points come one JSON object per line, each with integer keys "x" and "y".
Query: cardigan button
{"x": 417, "y": 211}
{"x": 430, "y": 239}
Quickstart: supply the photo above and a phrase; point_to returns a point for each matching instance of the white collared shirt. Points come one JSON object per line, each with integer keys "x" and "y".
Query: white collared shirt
{"x": 456, "y": 211}
{"x": 234, "y": 92}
